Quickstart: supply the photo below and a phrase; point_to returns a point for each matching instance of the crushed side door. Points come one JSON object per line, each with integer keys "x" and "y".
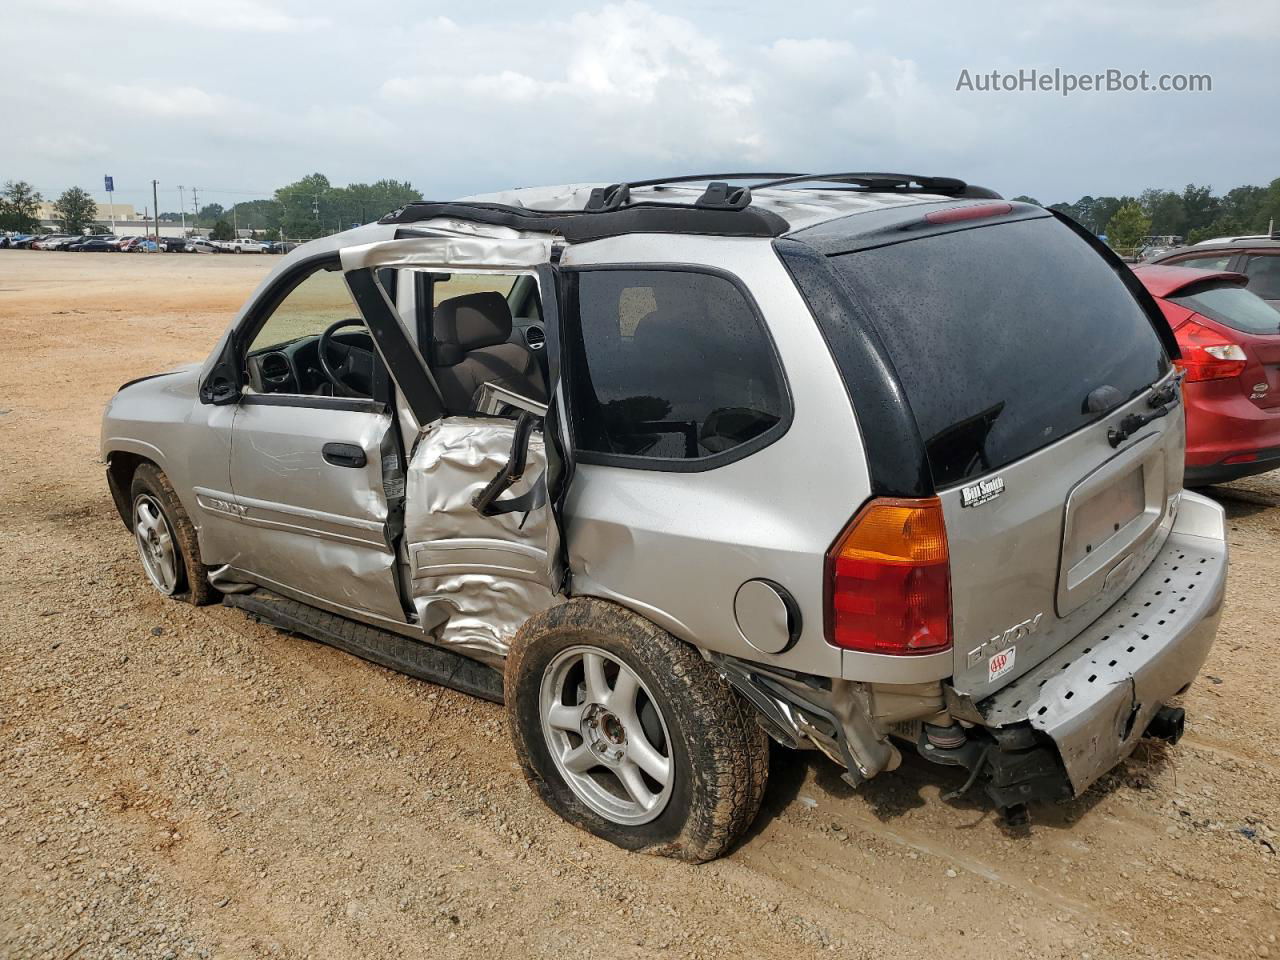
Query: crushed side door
{"x": 481, "y": 537}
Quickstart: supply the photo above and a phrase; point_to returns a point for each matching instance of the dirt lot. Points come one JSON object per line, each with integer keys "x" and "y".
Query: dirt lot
{"x": 178, "y": 782}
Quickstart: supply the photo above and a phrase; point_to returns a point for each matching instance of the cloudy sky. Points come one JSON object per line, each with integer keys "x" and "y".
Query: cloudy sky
{"x": 237, "y": 97}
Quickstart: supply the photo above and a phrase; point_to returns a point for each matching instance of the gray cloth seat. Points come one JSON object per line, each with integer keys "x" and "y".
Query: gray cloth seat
{"x": 472, "y": 347}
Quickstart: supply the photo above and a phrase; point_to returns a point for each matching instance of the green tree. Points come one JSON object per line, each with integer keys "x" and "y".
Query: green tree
{"x": 18, "y": 205}
{"x": 1200, "y": 206}
{"x": 221, "y": 231}
{"x": 1129, "y": 225}
{"x": 1269, "y": 207}
{"x": 1167, "y": 212}
{"x": 76, "y": 209}
{"x": 304, "y": 206}
{"x": 1026, "y": 199}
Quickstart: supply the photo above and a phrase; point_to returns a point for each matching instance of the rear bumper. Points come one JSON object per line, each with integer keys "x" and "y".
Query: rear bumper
{"x": 1095, "y": 697}
{"x": 1204, "y": 474}
{"x": 1222, "y": 422}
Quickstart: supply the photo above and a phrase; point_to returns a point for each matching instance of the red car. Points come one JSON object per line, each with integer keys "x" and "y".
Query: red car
{"x": 1230, "y": 342}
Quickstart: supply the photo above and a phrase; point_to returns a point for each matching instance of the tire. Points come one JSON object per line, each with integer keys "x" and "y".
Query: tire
{"x": 716, "y": 756}
{"x": 154, "y": 505}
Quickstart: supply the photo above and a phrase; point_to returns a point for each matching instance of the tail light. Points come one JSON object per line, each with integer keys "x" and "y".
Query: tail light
{"x": 1207, "y": 354}
{"x": 889, "y": 580}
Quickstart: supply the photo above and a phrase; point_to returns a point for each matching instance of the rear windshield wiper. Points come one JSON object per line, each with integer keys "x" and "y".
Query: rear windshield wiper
{"x": 1161, "y": 401}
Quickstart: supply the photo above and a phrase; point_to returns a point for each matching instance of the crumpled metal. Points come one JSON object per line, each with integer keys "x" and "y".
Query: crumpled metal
{"x": 475, "y": 579}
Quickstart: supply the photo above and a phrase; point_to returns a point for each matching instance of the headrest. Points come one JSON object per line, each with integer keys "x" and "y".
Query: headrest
{"x": 469, "y": 322}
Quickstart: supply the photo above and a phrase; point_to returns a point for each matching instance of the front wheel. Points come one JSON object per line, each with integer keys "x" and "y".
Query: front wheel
{"x": 166, "y": 539}
{"x": 628, "y": 733}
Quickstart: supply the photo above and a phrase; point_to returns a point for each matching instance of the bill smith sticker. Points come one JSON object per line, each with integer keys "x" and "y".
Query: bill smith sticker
{"x": 984, "y": 491}
{"x": 1000, "y": 663}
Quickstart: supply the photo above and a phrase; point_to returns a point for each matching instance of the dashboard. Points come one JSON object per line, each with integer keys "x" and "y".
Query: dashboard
{"x": 294, "y": 367}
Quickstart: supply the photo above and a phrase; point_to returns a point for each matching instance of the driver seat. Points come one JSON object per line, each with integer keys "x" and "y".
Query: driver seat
{"x": 472, "y": 347}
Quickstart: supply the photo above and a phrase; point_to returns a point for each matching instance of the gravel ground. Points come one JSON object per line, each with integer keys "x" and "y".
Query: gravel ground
{"x": 186, "y": 783}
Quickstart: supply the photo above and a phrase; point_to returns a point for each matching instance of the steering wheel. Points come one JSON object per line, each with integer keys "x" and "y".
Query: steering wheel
{"x": 352, "y": 372}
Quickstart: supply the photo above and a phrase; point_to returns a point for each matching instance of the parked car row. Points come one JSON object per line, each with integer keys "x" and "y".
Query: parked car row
{"x": 108, "y": 243}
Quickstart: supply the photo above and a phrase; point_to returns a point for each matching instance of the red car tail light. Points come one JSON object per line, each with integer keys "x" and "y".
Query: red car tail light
{"x": 1207, "y": 354}
{"x": 889, "y": 580}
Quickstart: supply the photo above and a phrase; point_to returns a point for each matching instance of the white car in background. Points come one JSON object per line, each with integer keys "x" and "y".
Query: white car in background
{"x": 243, "y": 245}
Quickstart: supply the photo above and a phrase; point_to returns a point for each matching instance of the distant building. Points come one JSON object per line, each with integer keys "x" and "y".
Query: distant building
{"x": 120, "y": 211}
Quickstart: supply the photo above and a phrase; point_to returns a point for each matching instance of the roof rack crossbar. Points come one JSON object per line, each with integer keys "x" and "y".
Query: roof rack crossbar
{"x": 892, "y": 182}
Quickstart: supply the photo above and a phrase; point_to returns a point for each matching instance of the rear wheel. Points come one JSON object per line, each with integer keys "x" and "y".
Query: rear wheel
{"x": 166, "y": 539}
{"x": 628, "y": 733}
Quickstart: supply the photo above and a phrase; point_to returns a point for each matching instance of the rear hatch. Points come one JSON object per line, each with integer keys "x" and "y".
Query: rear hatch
{"x": 1240, "y": 317}
{"x": 1021, "y": 352}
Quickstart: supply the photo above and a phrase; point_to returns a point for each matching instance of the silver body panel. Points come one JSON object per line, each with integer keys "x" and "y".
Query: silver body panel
{"x": 475, "y": 579}
{"x": 307, "y": 524}
{"x": 1014, "y": 556}
{"x": 1095, "y": 696}
{"x": 678, "y": 546}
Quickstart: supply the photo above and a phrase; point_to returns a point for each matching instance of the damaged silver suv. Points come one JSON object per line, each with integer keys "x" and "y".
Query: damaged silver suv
{"x": 865, "y": 463}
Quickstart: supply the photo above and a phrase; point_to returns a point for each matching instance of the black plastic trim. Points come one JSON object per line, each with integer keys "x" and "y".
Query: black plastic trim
{"x": 895, "y": 451}
{"x": 889, "y": 225}
{"x": 580, "y": 226}
{"x": 672, "y": 465}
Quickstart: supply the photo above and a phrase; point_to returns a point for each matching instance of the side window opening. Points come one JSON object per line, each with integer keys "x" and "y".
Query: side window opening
{"x": 669, "y": 366}
{"x": 284, "y": 354}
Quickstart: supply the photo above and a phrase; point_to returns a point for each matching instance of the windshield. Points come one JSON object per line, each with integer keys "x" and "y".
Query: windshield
{"x": 1002, "y": 337}
{"x": 1233, "y": 306}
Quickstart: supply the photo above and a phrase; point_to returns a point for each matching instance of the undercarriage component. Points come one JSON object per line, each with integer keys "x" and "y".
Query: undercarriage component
{"x": 1013, "y": 764}
{"x": 1167, "y": 724}
{"x": 387, "y": 649}
{"x": 833, "y": 716}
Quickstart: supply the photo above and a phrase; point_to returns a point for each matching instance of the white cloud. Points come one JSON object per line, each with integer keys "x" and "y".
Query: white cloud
{"x": 247, "y": 15}
{"x": 164, "y": 100}
{"x": 66, "y": 146}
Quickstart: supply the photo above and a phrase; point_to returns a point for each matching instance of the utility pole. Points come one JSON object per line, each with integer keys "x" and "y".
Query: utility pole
{"x": 155, "y": 201}
{"x": 182, "y": 209}
{"x": 235, "y": 224}
{"x": 315, "y": 208}
{"x": 195, "y": 210}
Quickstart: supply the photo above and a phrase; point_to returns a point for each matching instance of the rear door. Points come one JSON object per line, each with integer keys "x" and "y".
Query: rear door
{"x": 1022, "y": 350}
{"x": 480, "y": 550}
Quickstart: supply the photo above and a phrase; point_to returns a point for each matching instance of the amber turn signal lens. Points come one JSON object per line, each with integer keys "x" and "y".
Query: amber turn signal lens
{"x": 889, "y": 580}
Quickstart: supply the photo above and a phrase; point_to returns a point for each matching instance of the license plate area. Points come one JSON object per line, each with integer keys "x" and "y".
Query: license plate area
{"x": 1109, "y": 515}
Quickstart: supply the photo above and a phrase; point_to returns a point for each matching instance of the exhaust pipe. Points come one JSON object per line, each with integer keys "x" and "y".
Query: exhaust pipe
{"x": 1167, "y": 724}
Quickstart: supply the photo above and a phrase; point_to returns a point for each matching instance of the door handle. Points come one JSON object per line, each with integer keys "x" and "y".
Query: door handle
{"x": 344, "y": 455}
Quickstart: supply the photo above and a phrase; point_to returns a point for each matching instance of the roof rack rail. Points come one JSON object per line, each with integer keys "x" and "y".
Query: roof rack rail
{"x": 885, "y": 183}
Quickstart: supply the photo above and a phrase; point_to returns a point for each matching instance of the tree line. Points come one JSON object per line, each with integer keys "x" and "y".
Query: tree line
{"x": 308, "y": 208}
{"x": 313, "y": 207}
{"x": 1195, "y": 213}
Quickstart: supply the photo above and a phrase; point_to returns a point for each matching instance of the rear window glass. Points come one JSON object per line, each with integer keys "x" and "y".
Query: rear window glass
{"x": 1233, "y": 306}
{"x": 999, "y": 335}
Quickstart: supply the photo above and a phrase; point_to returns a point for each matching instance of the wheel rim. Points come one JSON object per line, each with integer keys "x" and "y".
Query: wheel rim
{"x": 156, "y": 545}
{"x": 606, "y": 735}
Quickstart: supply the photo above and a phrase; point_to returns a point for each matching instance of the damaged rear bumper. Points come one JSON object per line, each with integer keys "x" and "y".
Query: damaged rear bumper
{"x": 1095, "y": 697}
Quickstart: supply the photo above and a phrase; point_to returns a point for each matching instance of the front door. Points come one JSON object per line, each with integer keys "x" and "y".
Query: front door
{"x": 315, "y": 463}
